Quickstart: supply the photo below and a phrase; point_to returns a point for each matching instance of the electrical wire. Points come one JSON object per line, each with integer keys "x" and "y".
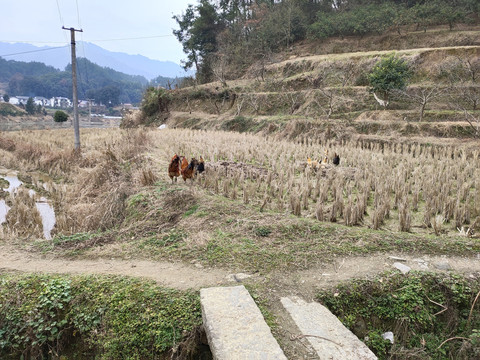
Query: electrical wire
{"x": 133, "y": 38}
{"x": 78, "y": 16}
{"x": 61, "y": 21}
{"x": 34, "y": 51}
{"x": 85, "y": 66}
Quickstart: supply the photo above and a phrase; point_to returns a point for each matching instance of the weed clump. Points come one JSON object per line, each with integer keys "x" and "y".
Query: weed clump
{"x": 106, "y": 317}
{"x": 423, "y": 310}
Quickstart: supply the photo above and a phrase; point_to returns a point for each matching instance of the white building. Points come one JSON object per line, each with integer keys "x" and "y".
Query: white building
{"x": 14, "y": 100}
{"x": 60, "y": 102}
{"x": 39, "y": 100}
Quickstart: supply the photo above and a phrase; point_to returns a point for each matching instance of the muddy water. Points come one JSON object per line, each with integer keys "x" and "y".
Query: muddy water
{"x": 3, "y": 211}
{"x": 48, "y": 217}
{"x": 47, "y": 213}
{"x": 14, "y": 182}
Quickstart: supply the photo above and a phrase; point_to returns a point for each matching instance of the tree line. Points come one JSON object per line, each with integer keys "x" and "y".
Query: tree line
{"x": 231, "y": 34}
{"x": 102, "y": 84}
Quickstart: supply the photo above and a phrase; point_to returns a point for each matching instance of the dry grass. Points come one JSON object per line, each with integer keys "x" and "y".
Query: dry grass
{"x": 378, "y": 185}
{"x": 89, "y": 189}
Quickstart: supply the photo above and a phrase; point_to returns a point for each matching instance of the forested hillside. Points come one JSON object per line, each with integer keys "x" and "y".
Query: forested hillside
{"x": 222, "y": 39}
{"x": 105, "y": 85}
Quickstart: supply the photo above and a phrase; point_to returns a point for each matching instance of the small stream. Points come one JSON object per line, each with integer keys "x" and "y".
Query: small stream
{"x": 47, "y": 213}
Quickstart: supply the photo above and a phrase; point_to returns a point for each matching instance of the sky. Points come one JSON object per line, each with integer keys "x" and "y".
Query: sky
{"x": 39, "y": 22}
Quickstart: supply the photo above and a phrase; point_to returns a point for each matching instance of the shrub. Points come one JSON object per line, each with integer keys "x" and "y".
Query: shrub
{"x": 421, "y": 309}
{"x": 155, "y": 100}
{"x": 390, "y": 73}
{"x": 95, "y": 316}
{"x": 60, "y": 116}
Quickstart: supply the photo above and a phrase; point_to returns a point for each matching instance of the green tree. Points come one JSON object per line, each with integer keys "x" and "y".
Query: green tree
{"x": 60, "y": 116}
{"x": 6, "y": 97}
{"x": 30, "y": 106}
{"x": 389, "y": 74}
{"x": 198, "y": 31}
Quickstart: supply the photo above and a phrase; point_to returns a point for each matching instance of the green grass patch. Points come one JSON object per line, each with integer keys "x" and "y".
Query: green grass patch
{"x": 422, "y": 310}
{"x": 103, "y": 317}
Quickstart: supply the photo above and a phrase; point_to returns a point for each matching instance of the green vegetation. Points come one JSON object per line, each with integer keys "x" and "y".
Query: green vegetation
{"x": 30, "y": 106}
{"x": 155, "y": 100}
{"x": 7, "y": 109}
{"x": 215, "y": 39}
{"x": 98, "y": 316}
{"x": 423, "y": 310}
{"x": 102, "y": 84}
{"x": 389, "y": 74}
{"x": 60, "y": 116}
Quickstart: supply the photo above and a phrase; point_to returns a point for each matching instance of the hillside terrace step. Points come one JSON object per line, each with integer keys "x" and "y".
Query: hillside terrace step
{"x": 327, "y": 335}
{"x": 235, "y": 327}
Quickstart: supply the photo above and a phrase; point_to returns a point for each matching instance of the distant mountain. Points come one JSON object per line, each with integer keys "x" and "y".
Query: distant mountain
{"x": 125, "y": 63}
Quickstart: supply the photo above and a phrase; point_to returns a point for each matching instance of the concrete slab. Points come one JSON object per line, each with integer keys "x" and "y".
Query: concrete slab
{"x": 328, "y": 336}
{"x": 235, "y": 327}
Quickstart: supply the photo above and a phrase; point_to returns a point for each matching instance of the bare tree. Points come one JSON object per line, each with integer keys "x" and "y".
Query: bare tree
{"x": 473, "y": 120}
{"x": 422, "y": 96}
{"x": 219, "y": 69}
{"x": 254, "y": 101}
{"x": 293, "y": 98}
{"x": 331, "y": 95}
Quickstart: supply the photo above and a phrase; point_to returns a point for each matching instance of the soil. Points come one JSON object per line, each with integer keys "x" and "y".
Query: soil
{"x": 179, "y": 275}
{"x": 273, "y": 286}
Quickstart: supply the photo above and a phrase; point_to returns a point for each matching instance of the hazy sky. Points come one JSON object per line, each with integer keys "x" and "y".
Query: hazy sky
{"x": 40, "y": 22}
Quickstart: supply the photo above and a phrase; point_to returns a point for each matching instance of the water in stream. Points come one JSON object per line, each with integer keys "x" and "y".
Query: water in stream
{"x": 45, "y": 209}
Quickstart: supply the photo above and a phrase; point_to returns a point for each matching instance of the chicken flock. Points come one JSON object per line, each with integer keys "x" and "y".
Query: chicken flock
{"x": 179, "y": 165}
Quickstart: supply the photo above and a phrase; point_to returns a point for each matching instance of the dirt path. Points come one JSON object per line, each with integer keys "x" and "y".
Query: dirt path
{"x": 184, "y": 276}
{"x": 171, "y": 274}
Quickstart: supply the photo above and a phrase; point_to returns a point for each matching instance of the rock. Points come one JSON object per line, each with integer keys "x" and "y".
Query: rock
{"x": 198, "y": 266}
{"x": 422, "y": 263}
{"x": 397, "y": 258}
{"x": 163, "y": 126}
{"x": 402, "y": 267}
{"x": 235, "y": 327}
{"x": 443, "y": 266}
{"x": 325, "y": 333}
{"x": 388, "y": 336}
{"x": 238, "y": 277}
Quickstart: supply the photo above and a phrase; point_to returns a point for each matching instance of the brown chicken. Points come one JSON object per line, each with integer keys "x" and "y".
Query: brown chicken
{"x": 184, "y": 163}
{"x": 190, "y": 171}
{"x": 174, "y": 168}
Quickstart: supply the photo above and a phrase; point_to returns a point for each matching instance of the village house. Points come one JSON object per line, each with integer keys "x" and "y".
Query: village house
{"x": 18, "y": 100}
{"x": 60, "y": 102}
{"x": 39, "y": 100}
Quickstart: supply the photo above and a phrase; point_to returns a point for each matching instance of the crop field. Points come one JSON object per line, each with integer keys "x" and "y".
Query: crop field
{"x": 394, "y": 186}
{"x": 410, "y": 188}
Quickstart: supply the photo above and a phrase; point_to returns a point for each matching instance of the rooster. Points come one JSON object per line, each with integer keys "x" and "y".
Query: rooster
{"x": 325, "y": 158}
{"x": 190, "y": 170}
{"x": 201, "y": 165}
{"x": 174, "y": 168}
{"x": 336, "y": 160}
{"x": 184, "y": 163}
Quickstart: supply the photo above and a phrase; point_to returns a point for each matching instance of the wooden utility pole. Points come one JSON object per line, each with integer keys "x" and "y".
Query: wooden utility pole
{"x": 76, "y": 127}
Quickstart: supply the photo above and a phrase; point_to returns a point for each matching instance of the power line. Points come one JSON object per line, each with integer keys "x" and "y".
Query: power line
{"x": 133, "y": 38}
{"x": 78, "y": 16}
{"x": 61, "y": 20}
{"x": 35, "y": 42}
{"x": 34, "y": 51}
{"x": 98, "y": 40}
{"x": 60, "y": 14}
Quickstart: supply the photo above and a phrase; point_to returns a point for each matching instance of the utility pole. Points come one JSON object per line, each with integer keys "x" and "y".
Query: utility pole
{"x": 76, "y": 127}
{"x": 90, "y": 110}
